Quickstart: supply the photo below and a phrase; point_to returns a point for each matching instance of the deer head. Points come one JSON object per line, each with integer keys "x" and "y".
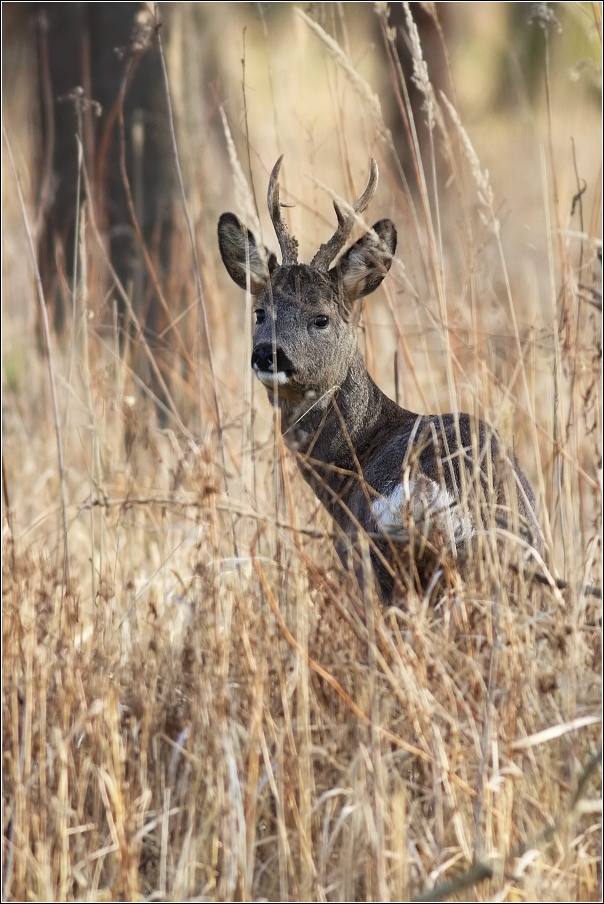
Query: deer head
{"x": 306, "y": 315}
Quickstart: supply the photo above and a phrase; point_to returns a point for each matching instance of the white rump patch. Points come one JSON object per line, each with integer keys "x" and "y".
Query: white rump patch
{"x": 430, "y": 507}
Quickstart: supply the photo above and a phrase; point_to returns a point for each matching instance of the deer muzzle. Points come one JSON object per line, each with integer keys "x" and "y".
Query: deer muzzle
{"x": 264, "y": 359}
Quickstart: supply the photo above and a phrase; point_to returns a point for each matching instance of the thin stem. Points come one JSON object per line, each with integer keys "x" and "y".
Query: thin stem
{"x": 196, "y": 267}
{"x": 51, "y": 371}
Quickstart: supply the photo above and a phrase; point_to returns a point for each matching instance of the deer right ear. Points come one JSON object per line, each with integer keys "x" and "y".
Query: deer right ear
{"x": 240, "y": 253}
{"x": 366, "y": 263}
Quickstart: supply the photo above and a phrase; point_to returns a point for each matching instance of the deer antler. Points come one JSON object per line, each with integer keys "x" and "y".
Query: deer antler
{"x": 287, "y": 242}
{"x": 328, "y": 251}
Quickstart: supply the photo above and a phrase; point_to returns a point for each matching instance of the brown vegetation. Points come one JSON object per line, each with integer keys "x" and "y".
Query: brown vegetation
{"x": 197, "y": 702}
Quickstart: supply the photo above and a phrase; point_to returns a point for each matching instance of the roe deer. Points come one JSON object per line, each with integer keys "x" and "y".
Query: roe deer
{"x": 376, "y": 467}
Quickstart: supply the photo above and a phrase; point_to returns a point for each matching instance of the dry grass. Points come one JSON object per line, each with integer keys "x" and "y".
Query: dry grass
{"x": 197, "y": 703}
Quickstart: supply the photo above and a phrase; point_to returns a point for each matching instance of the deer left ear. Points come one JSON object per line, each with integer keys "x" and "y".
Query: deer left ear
{"x": 242, "y": 255}
{"x": 365, "y": 264}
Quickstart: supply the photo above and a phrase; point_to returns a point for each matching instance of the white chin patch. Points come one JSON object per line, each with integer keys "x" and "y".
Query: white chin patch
{"x": 269, "y": 379}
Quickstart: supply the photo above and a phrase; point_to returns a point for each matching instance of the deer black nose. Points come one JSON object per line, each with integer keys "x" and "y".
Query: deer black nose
{"x": 262, "y": 359}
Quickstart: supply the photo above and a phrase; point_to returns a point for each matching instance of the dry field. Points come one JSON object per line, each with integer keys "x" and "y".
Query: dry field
{"x": 198, "y": 704}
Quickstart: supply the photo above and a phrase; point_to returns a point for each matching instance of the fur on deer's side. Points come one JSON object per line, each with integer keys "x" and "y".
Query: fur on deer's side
{"x": 374, "y": 465}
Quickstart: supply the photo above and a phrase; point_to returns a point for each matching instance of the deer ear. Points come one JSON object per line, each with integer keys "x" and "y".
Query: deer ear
{"x": 365, "y": 264}
{"x": 240, "y": 253}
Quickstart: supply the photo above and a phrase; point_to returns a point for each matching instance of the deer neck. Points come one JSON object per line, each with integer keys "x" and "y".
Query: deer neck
{"x": 336, "y": 437}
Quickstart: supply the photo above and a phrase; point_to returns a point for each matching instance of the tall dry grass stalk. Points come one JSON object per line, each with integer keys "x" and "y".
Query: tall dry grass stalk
{"x": 208, "y": 708}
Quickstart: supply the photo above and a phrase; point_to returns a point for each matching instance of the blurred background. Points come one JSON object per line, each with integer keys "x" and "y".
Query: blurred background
{"x": 277, "y": 85}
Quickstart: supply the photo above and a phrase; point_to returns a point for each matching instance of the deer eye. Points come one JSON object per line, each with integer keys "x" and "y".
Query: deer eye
{"x": 321, "y": 321}
{"x": 260, "y": 315}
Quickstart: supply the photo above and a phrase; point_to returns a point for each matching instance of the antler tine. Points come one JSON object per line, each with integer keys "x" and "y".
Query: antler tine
{"x": 369, "y": 192}
{"x": 287, "y": 242}
{"x": 328, "y": 251}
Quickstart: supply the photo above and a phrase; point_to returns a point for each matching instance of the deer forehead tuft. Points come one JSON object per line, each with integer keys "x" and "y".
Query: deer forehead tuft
{"x": 301, "y": 286}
